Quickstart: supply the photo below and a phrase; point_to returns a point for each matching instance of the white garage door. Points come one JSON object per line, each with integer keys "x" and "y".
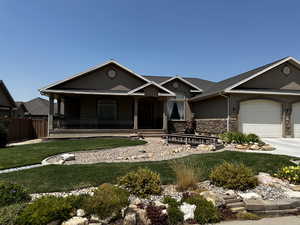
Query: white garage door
{"x": 261, "y": 117}
{"x": 296, "y": 119}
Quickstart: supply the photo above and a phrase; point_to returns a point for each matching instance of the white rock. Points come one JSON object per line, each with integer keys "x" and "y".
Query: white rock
{"x": 159, "y": 203}
{"x": 136, "y": 201}
{"x": 80, "y": 212}
{"x": 188, "y": 210}
{"x": 68, "y": 156}
{"x": 250, "y": 195}
{"x": 267, "y": 179}
{"x": 76, "y": 221}
{"x": 130, "y": 219}
{"x": 230, "y": 192}
{"x": 94, "y": 218}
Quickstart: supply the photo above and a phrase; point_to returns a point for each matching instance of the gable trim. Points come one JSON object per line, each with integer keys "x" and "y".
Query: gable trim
{"x": 263, "y": 92}
{"x": 170, "y": 93}
{"x": 184, "y": 81}
{"x": 261, "y": 72}
{"x": 90, "y": 70}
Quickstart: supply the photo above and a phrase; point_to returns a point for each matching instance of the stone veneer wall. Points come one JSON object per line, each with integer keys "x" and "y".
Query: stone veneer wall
{"x": 215, "y": 126}
{"x": 176, "y": 126}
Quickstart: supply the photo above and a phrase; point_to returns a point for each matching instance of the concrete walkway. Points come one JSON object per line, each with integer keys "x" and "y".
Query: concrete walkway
{"x": 287, "y": 220}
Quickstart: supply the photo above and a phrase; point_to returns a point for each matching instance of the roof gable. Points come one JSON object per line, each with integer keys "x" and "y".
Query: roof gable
{"x": 44, "y": 89}
{"x": 184, "y": 81}
{"x": 163, "y": 91}
{"x": 7, "y": 100}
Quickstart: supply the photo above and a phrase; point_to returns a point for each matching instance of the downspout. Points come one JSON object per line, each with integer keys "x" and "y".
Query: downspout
{"x": 228, "y": 111}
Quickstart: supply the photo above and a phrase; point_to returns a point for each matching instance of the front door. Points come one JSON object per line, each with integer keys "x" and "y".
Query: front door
{"x": 146, "y": 114}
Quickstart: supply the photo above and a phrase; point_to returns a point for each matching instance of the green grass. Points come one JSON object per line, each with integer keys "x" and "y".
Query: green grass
{"x": 63, "y": 178}
{"x": 34, "y": 153}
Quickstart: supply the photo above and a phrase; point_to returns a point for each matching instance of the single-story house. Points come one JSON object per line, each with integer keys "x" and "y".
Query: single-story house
{"x": 265, "y": 101}
{"x": 7, "y": 103}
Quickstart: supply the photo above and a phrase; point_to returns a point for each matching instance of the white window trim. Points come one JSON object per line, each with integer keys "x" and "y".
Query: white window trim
{"x": 184, "y": 109}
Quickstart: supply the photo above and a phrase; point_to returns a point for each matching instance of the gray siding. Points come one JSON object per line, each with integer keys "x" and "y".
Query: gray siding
{"x": 215, "y": 108}
{"x": 276, "y": 79}
{"x": 98, "y": 80}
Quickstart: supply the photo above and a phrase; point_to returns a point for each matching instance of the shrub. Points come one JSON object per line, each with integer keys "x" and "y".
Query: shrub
{"x": 108, "y": 200}
{"x": 233, "y": 176}
{"x": 171, "y": 201}
{"x": 77, "y": 200}
{"x": 45, "y": 210}
{"x": 156, "y": 216}
{"x": 3, "y": 136}
{"x": 142, "y": 182}
{"x": 12, "y": 193}
{"x": 239, "y": 138}
{"x": 205, "y": 211}
{"x": 187, "y": 175}
{"x": 252, "y": 138}
{"x": 290, "y": 173}
{"x": 9, "y": 214}
{"x": 175, "y": 216}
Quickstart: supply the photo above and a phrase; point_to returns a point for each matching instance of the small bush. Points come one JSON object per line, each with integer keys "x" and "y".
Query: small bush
{"x": 175, "y": 216}
{"x": 9, "y": 214}
{"x": 45, "y": 210}
{"x": 247, "y": 216}
{"x": 108, "y": 200}
{"x": 77, "y": 200}
{"x": 3, "y": 136}
{"x": 142, "y": 182}
{"x": 12, "y": 193}
{"x": 233, "y": 176}
{"x": 239, "y": 138}
{"x": 171, "y": 201}
{"x": 156, "y": 216}
{"x": 187, "y": 175}
{"x": 205, "y": 211}
{"x": 252, "y": 138}
{"x": 290, "y": 173}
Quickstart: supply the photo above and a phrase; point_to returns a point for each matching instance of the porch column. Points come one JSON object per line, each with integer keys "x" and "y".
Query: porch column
{"x": 165, "y": 116}
{"x": 51, "y": 111}
{"x": 58, "y": 106}
{"x": 135, "y": 117}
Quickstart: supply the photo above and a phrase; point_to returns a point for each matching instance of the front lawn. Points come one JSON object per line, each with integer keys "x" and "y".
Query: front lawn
{"x": 34, "y": 153}
{"x": 63, "y": 178}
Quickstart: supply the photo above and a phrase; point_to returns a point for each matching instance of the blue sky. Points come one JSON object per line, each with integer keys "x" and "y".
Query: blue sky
{"x": 45, "y": 41}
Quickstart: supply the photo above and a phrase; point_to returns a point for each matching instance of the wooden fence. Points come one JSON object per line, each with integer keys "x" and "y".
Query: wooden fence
{"x": 20, "y": 129}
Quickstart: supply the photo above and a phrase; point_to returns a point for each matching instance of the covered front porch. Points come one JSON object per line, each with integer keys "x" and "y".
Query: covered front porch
{"x": 107, "y": 114}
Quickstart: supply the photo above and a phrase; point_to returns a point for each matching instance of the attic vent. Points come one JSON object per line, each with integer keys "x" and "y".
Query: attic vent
{"x": 175, "y": 85}
{"x": 111, "y": 74}
{"x": 286, "y": 70}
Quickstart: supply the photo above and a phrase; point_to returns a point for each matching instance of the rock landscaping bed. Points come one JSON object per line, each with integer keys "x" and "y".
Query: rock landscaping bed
{"x": 156, "y": 149}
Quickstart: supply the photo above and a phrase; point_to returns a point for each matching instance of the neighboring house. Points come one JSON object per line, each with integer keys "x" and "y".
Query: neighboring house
{"x": 112, "y": 97}
{"x": 37, "y": 108}
{"x": 7, "y": 103}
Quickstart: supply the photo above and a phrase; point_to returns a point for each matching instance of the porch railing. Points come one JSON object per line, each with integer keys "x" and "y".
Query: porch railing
{"x": 60, "y": 122}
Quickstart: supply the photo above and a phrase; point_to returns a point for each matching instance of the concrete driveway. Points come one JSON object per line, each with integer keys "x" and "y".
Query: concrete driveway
{"x": 288, "y": 220}
{"x": 284, "y": 146}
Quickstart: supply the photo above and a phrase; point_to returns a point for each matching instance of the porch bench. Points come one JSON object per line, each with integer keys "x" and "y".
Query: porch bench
{"x": 194, "y": 140}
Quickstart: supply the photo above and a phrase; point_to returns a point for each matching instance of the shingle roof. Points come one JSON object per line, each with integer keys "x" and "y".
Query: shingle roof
{"x": 220, "y": 87}
{"x": 37, "y": 106}
{"x": 202, "y": 84}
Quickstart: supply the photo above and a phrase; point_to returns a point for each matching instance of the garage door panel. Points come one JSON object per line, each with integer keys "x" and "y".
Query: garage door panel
{"x": 262, "y": 117}
{"x": 296, "y": 119}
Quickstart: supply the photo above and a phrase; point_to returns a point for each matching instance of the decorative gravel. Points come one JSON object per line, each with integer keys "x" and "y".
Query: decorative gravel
{"x": 269, "y": 192}
{"x": 155, "y": 150}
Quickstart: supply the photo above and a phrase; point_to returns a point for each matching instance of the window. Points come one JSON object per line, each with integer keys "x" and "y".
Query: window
{"x": 176, "y": 108}
{"x": 107, "y": 109}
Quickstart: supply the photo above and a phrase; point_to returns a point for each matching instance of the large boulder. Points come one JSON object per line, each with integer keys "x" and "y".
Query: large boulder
{"x": 80, "y": 213}
{"x": 188, "y": 210}
{"x": 76, "y": 221}
{"x": 267, "y": 179}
